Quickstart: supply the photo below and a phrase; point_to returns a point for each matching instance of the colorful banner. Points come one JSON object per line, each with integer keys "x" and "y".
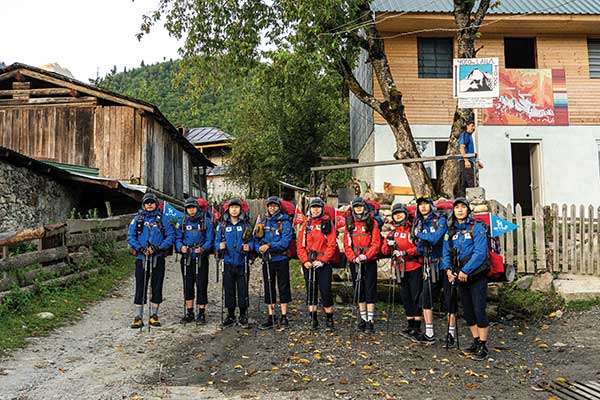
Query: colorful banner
{"x": 530, "y": 97}
{"x": 171, "y": 212}
{"x": 475, "y": 78}
{"x": 497, "y": 225}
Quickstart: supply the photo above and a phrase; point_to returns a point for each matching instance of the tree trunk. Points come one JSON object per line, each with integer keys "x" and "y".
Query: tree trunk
{"x": 449, "y": 173}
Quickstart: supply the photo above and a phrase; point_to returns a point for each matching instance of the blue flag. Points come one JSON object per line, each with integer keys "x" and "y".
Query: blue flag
{"x": 171, "y": 212}
{"x": 500, "y": 226}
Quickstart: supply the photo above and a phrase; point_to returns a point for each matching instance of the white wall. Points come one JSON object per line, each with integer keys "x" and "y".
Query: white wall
{"x": 571, "y": 173}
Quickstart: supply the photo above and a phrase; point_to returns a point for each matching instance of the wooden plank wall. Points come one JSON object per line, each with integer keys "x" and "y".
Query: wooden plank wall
{"x": 61, "y": 134}
{"x": 163, "y": 159}
{"x": 429, "y": 101}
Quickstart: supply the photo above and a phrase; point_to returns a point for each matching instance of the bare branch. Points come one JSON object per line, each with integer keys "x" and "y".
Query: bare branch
{"x": 356, "y": 88}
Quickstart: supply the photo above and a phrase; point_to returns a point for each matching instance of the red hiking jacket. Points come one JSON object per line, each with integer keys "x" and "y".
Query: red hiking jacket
{"x": 361, "y": 241}
{"x": 310, "y": 237}
{"x": 404, "y": 242}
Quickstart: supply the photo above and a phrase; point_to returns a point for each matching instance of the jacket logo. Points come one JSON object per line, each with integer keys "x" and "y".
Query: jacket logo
{"x": 403, "y": 236}
{"x": 432, "y": 229}
{"x": 188, "y": 228}
{"x": 455, "y": 236}
{"x": 228, "y": 229}
{"x": 467, "y": 235}
{"x": 239, "y": 228}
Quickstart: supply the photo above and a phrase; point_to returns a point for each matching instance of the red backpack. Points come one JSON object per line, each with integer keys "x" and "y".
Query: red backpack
{"x": 214, "y": 214}
{"x": 289, "y": 209}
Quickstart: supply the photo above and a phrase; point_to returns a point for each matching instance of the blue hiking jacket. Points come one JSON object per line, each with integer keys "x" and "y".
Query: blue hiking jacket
{"x": 232, "y": 236}
{"x": 151, "y": 234}
{"x": 278, "y": 235}
{"x": 194, "y": 231}
{"x": 426, "y": 232}
{"x": 467, "y": 243}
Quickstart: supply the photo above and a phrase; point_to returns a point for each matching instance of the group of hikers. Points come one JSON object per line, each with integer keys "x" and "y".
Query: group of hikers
{"x": 432, "y": 254}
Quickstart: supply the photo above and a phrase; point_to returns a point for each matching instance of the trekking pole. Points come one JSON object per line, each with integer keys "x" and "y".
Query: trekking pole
{"x": 272, "y": 303}
{"x": 219, "y": 261}
{"x": 428, "y": 275}
{"x": 453, "y": 298}
{"x": 310, "y": 296}
{"x": 145, "y": 297}
{"x": 390, "y": 283}
{"x": 185, "y": 265}
{"x": 357, "y": 291}
{"x": 247, "y": 280}
{"x": 152, "y": 261}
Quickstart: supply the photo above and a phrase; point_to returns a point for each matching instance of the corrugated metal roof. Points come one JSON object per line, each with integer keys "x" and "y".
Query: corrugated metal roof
{"x": 81, "y": 169}
{"x": 505, "y": 7}
{"x": 199, "y": 136}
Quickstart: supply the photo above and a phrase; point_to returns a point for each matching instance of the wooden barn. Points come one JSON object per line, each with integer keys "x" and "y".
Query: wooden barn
{"x": 53, "y": 118}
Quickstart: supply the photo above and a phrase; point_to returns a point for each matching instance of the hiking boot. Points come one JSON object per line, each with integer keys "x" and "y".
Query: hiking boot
{"x": 284, "y": 322}
{"x": 481, "y": 353}
{"x": 329, "y": 322}
{"x": 243, "y": 319}
{"x": 362, "y": 324}
{"x": 369, "y": 328}
{"x": 189, "y": 317}
{"x": 267, "y": 325}
{"x": 424, "y": 338}
{"x": 410, "y": 328}
{"x": 137, "y": 323}
{"x": 314, "y": 321}
{"x": 201, "y": 318}
{"x": 154, "y": 320}
{"x": 450, "y": 341}
{"x": 473, "y": 347}
{"x": 229, "y": 321}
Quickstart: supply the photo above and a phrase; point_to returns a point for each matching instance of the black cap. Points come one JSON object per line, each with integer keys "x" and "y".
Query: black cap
{"x": 398, "y": 208}
{"x": 359, "y": 201}
{"x": 316, "y": 202}
{"x": 234, "y": 202}
{"x": 461, "y": 200}
{"x": 149, "y": 198}
{"x": 274, "y": 200}
{"x": 424, "y": 198}
{"x": 190, "y": 202}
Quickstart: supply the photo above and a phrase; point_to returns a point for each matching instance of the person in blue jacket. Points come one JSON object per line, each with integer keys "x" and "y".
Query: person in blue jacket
{"x": 429, "y": 230}
{"x": 272, "y": 245}
{"x": 233, "y": 241}
{"x": 194, "y": 235}
{"x": 465, "y": 260}
{"x": 149, "y": 237}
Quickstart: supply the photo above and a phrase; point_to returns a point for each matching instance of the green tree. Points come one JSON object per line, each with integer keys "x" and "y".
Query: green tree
{"x": 224, "y": 40}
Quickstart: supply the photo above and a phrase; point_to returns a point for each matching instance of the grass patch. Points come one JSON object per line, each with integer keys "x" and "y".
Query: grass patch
{"x": 527, "y": 303}
{"x": 19, "y": 309}
{"x": 583, "y": 305}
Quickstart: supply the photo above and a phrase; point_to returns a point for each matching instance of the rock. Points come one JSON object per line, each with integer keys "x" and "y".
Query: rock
{"x": 542, "y": 283}
{"x": 559, "y": 344}
{"x": 480, "y": 208}
{"x": 45, "y": 315}
{"x": 577, "y": 287}
{"x": 509, "y": 317}
{"x": 338, "y": 299}
{"x": 492, "y": 311}
{"x": 493, "y": 291}
{"x": 475, "y": 194}
{"x": 525, "y": 282}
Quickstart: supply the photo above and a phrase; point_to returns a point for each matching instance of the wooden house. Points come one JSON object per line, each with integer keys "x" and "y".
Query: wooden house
{"x": 528, "y": 160}
{"x": 50, "y": 117}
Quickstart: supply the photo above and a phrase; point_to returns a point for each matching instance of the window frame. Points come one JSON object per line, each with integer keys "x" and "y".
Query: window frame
{"x": 436, "y": 54}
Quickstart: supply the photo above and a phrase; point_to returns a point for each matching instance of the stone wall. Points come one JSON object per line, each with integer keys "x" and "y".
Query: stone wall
{"x": 29, "y": 199}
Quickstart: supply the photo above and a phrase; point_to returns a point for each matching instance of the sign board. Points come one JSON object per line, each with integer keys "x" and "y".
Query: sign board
{"x": 476, "y": 103}
{"x": 476, "y": 78}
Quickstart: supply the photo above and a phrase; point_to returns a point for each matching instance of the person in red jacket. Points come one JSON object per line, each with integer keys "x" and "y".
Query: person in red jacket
{"x": 316, "y": 249}
{"x": 362, "y": 240}
{"x": 399, "y": 244}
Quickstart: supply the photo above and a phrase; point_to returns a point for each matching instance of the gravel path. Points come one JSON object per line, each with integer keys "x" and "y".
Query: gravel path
{"x": 100, "y": 357}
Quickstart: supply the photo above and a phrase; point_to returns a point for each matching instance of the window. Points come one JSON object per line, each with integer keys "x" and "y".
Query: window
{"x": 435, "y": 57}
{"x": 519, "y": 53}
{"x": 594, "y": 57}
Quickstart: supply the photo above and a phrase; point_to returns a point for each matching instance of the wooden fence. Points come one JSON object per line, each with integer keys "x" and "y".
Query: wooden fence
{"x": 563, "y": 238}
{"x": 56, "y": 253}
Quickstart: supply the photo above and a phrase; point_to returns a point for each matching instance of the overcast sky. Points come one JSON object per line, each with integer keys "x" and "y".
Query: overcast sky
{"x": 83, "y": 36}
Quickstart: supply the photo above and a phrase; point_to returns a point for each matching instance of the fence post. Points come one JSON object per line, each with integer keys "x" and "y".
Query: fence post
{"x": 564, "y": 242}
{"x": 581, "y": 252}
{"x": 555, "y": 238}
{"x": 510, "y": 246}
{"x": 529, "y": 246}
{"x": 540, "y": 239}
{"x": 520, "y": 240}
{"x": 573, "y": 240}
{"x": 590, "y": 241}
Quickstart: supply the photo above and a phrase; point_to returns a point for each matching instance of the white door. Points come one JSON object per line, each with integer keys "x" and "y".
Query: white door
{"x": 535, "y": 159}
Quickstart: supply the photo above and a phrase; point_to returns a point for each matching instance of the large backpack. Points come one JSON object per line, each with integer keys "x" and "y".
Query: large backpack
{"x": 494, "y": 263}
{"x": 289, "y": 209}
{"x": 139, "y": 227}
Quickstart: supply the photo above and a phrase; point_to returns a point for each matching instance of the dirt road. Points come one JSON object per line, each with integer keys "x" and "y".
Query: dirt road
{"x": 100, "y": 357}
